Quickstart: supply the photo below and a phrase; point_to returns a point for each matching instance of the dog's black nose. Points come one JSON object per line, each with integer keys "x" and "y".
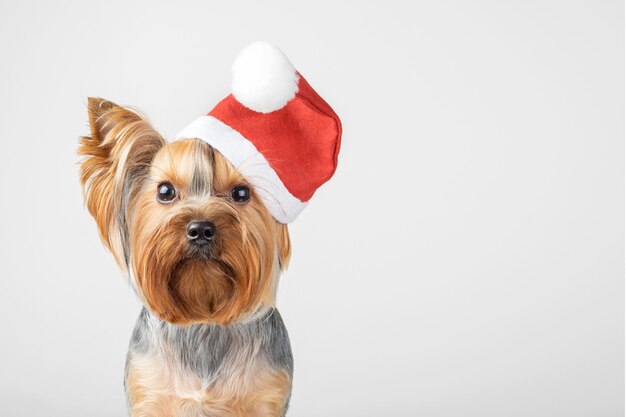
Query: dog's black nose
{"x": 200, "y": 232}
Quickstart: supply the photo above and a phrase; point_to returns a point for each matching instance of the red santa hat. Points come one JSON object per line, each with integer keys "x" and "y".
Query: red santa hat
{"x": 275, "y": 129}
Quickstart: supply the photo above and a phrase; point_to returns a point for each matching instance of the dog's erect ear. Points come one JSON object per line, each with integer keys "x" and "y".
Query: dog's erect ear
{"x": 116, "y": 158}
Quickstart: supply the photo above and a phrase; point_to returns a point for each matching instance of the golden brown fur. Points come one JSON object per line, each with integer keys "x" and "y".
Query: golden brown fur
{"x": 120, "y": 149}
{"x": 240, "y": 274}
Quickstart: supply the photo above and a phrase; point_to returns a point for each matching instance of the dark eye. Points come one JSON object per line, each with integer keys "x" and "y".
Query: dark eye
{"x": 166, "y": 192}
{"x": 240, "y": 194}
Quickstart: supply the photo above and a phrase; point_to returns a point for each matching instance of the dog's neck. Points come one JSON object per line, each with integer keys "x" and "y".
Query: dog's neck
{"x": 207, "y": 349}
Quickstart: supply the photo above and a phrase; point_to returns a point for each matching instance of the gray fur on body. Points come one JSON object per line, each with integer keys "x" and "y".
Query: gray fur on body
{"x": 209, "y": 350}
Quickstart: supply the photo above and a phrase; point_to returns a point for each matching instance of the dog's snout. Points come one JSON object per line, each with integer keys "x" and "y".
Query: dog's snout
{"x": 200, "y": 232}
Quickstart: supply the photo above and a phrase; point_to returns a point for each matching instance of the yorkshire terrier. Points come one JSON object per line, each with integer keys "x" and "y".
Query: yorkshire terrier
{"x": 203, "y": 245}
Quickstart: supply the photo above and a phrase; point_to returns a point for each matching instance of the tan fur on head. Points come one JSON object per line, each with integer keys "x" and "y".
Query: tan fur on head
{"x": 124, "y": 162}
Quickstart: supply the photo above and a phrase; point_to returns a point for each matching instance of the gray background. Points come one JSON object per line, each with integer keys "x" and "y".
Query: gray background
{"x": 466, "y": 260}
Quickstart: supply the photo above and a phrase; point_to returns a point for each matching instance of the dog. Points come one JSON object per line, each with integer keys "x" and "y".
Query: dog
{"x": 203, "y": 238}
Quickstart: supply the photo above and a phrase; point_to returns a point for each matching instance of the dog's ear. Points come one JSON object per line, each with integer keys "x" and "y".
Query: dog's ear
{"x": 284, "y": 245}
{"x": 116, "y": 158}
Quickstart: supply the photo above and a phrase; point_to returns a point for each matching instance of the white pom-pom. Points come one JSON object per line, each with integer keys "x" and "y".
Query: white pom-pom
{"x": 263, "y": 78}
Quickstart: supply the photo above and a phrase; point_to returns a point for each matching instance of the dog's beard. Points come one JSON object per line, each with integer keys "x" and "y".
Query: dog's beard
{"x": 219, "y": 283}
{"x": 201, "y": 286}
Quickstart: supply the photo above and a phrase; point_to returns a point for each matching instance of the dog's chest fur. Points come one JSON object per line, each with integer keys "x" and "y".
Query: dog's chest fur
{"x": 244, "y": 369}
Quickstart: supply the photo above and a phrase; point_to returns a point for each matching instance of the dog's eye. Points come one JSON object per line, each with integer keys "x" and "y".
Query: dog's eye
{"x": 166, "y": 192}
{"x": 240, "y": 194}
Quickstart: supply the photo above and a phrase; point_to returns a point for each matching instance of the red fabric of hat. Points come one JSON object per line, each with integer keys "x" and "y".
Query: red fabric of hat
{"x": 275, "y": 129}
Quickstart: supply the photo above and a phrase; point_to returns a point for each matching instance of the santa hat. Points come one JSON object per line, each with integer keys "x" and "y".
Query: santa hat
{"x": 275, "y": 129}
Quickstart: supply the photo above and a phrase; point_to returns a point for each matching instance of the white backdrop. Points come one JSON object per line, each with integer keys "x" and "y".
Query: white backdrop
{"x": 466, "y": 260}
